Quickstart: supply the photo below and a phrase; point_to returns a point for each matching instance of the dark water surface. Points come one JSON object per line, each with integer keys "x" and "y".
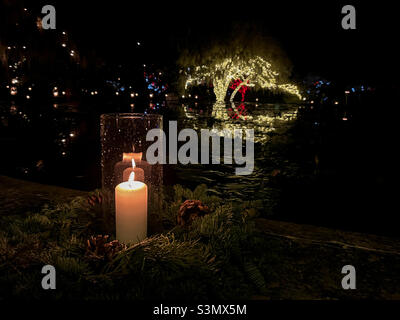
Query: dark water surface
{"x": 309, "y": 162}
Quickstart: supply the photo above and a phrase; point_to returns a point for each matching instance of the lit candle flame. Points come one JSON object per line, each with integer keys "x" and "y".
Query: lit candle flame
{"x": 132, "y": 175}
{"x": 131, "y": 179}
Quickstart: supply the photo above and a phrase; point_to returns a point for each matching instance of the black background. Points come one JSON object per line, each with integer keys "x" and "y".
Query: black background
{"x": 310, "y": 32}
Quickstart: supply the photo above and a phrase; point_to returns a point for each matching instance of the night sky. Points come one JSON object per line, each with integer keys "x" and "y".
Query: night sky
{"x": 309, "y": 32}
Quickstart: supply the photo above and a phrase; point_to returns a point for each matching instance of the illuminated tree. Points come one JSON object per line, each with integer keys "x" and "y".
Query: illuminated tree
{"x": 251, "y": 72}
{"x": 249, "y": 59}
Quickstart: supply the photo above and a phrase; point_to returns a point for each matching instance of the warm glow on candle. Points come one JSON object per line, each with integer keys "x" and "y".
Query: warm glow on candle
{"x": 129, "y": 173}
{"x": 128, "y": 156}
{"x": 131, "y": 210}
{"x": 131, "y": 177}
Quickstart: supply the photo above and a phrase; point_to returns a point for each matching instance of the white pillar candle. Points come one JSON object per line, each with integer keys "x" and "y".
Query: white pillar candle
{"x": 131, "y": 210}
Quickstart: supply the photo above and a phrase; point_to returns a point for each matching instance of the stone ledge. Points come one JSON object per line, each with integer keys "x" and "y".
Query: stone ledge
{"x": 305, "y": 262}
{"x": 341, "y": 238}
{"x": 20, "y": 196}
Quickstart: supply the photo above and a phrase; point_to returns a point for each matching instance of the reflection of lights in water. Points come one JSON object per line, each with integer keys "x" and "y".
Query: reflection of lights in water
{"x": 188, "y": 112}
{"x": 13, "y": 91}
{"x": 13, "y": 109}
{"x": 262, "y": 124}
{"x": 219, "y": 111}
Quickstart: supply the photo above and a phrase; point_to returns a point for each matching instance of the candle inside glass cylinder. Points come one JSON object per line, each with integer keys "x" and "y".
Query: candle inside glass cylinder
{"x": 131, "y": 210}
{"x": 127, "y": 158}
{"x": 139, "y": 173}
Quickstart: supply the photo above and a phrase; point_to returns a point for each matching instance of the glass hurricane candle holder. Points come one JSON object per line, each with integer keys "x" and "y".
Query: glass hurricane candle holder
{"x": 123, "y": 152}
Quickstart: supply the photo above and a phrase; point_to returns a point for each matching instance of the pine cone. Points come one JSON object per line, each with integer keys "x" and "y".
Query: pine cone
{"x": 95, "y": 200}
{"x": 190, "y": 210}
{"x": 99, "y": 249}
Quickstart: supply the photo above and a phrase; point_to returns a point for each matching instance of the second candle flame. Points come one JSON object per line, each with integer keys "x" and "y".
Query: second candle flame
{"x": 131, "y": 179}
{"x": 132, "y": 175}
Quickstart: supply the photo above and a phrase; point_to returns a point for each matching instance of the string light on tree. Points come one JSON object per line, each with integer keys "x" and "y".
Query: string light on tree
{"x": 251, "y": 72}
